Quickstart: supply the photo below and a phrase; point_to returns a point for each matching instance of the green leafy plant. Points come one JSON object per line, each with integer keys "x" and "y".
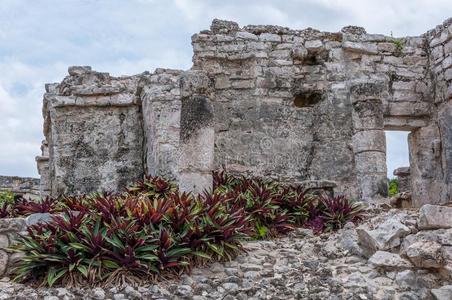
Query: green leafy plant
{"x": 339, "y": 210}
{"x": 399, "y": 44}
{"x": 393, "y": 187}
{"x": 7, "y": 197}
{"x": 152, "y": 230}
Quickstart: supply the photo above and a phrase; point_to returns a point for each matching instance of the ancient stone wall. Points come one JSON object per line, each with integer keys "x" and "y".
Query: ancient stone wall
{"x": 279, "y": 112}
{"x": 298, "y": 105}
{"x": 440, "y": 47}
{"x": 94, "y": 132}
{"x": 23, "y": 186}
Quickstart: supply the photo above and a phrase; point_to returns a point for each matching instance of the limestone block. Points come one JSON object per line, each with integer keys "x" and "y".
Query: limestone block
{"x": 280, "y": 54}
{"x": 8, "y": 225}
{"x": 313, "y": 46}
{"x": 269, "y": 37}
{"x": 299, "y": 52}
{"x": 223, "y": 26}
{"x": 367, "y": 115}
{"x": 404, "y": 123}
{"x": 363, "y": 48}
{"x": 445, "y": 128}
{"x": 196, "y": 144}
{"x": 408, "y": 96}
{"x": 437, "y": 52}
{"x": 14, "y": 259}
{"x": 388, "y": 260}
{"x": 442, "y": 293}
{"x": 448, "y": 74}
{"x": 386, "y": 47}
{"x": 3, "y": 262}
{"x": 426, "y": 166}
{"x": 354, "y": 30}
{"x": 194, "y": 82}
{"x": 246, "y": 36}
{"x": 369, "y": 140}
{"x": 370, "y": 162}
{"x": 243, "y": 84}
{"x": 403, "y": 176}
{"x": 448, "y": 47}
{"x": 38, "y": 218}
{"x": 222, "y": 82}
{"x": 161, "y": 120}
{"x": 435, "y": 216}
{"x": 425, "y": 254}
{"x": 408, "y": 109}
{"x": 95, "y": 149}
{"x": 447, "y": 62}
{"x": 367, "y": 90}
{"x": 385, "y": 236}
{"x": 78, "y": 70}
{"x": 4, "y": 241}
{"x": 193, "y": 156}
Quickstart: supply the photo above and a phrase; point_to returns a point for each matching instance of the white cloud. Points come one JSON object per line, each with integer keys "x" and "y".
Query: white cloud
{"x": 39, "y": 39}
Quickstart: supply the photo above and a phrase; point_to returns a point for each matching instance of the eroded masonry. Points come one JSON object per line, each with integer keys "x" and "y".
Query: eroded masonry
{"x": 301, "y": 106}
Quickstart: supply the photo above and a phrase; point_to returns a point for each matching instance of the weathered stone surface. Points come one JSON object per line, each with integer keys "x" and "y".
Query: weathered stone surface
{"x": 425, "y": 254}
{"x": 38, "y": 218}
{"x": 8, "y": 225}
{"x": 385, "y": 236}
{"x": 3, "y": 262}
{"x": 435, "y": 216}
{"x": 404, "y": 179}
{"x": 296, "y": 105}
{"x": 364, "y": 48}
{"x": 4, "y": 241}
{"x": 443, "y": 293}
{"x": 388, "y": 260}
{"x": 197, "y": 139}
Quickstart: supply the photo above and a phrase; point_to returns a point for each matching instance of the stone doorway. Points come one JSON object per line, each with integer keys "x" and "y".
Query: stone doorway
{"x": 398, "y": 163}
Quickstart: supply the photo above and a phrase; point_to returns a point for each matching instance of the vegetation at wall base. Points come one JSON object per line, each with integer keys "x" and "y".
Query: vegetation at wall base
{"x": 154, "y": 231}
{"x": 393, "y": 187}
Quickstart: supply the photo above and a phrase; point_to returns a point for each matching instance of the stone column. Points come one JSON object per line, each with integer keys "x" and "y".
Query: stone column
{"x": 196, "y": 133}
{"x": 425, "y": 167}
{"x": 403, "y": 177}
{"x": 161, "y": 103}
{"x": 369, "y": 142}
{"x": 42, "y": 162}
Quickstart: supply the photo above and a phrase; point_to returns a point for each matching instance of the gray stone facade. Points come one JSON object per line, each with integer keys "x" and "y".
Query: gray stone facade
{"x": 296, "y": 105}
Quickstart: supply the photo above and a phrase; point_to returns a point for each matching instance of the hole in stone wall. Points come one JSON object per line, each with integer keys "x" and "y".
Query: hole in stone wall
{"x": 311, "y": 60}
{"x": 397, "y": 158}
{"x": 308, "y": 99}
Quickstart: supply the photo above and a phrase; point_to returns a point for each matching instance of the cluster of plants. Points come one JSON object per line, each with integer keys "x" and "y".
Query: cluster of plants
{"x": 153, "y": 230}
{"x": 393, "y": 187}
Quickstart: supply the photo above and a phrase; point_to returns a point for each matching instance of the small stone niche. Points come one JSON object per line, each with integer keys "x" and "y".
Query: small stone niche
{"x": 307, "y": 99}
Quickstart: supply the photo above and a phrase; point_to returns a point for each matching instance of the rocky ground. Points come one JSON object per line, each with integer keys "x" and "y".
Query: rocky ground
{"x": 394, "y": 254}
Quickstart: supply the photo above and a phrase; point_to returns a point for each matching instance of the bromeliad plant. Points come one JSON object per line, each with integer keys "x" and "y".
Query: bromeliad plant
{"x": 153, "y": 230}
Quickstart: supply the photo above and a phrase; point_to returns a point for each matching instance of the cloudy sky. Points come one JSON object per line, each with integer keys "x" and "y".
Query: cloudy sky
{"x": 40, "y": 38}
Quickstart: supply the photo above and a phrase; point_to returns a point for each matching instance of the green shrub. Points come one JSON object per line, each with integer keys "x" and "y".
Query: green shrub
{"x": 6, "y": 196}
{"x": 393, "y": 187}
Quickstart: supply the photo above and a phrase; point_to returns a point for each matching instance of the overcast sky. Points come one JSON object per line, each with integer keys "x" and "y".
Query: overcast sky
{"x": 39, "y": 39}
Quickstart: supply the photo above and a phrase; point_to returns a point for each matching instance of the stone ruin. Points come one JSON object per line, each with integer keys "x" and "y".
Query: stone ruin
{"x": 22, "y": 186}
{"x": 301, "y": 106}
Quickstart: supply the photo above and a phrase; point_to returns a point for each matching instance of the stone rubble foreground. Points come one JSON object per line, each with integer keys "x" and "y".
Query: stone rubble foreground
{"x": 409, "y": 262}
